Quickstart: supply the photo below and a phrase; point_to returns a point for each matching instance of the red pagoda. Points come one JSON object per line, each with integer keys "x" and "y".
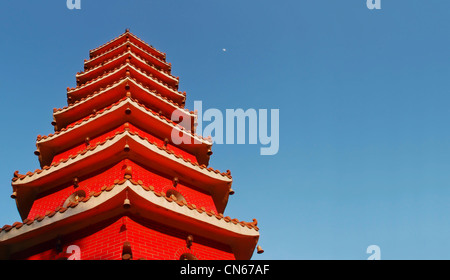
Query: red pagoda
{"x": 112, "y": 185}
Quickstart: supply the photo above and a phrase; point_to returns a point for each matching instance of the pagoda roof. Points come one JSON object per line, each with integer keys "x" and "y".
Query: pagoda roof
{"x": 118, "y": 60}
{"x": 112, "y": 93}
{"x": 146, "y": 203}
{"x": 122, "y": 129}
{"x": 110, "y": 152}
{"x": 113, "y": 116}
{"x": 93, "y": 62}
{"x": 125, "y": 70}
{"x": 123, "y": 38}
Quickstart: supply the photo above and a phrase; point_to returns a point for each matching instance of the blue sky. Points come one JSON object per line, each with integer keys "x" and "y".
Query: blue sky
{"x": 363, "y": 100}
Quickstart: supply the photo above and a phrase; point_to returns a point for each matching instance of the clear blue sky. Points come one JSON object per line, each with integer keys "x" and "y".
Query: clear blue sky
{"x": 363, "y": 96}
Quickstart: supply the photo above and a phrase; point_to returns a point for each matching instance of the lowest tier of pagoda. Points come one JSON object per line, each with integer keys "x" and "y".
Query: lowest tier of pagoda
{"x": 112, "y": 184}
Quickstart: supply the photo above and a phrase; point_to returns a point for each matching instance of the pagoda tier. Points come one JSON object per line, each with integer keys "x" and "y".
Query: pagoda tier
{"x": 127, "y": 36}
{"x": 125, "y": 110}
{"x": 127, "y": 57}
{"x": 113, "y": 93}
{"x": 123, "y": 145}
{"x": 113, "y": 162}
{"x": 161, "y": 64}
{"x": 141, "y": 172}
{"x": 130, "y": 71}
{"x": 152, "y": 218}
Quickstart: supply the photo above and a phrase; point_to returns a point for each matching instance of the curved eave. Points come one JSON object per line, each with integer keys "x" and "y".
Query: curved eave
{"x": 242, "y": 237}
{"x": 126, "y": 70}
{"x": 114, "y": 93}
{"x": 115, "y": 116}
{"x": 117, "y": 61}
{"x": 123, "y": 38}
{"x": 111, "y": 152}
{"x": 93, "y": 62}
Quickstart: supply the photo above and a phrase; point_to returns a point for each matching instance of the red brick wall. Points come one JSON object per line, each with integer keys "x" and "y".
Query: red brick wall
{"x": 49, "y": 202}
{"x": 75, "y": 150}
{"x": 101, "y": 242}
{"x": 158, "y": 242}
{"x": 149, "y": 240}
